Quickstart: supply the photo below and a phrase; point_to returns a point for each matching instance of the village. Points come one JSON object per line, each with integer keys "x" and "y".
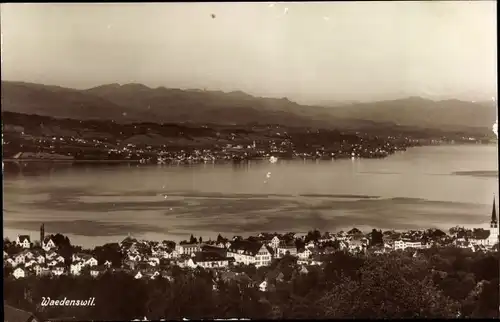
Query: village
{"x": 150, "y": 259}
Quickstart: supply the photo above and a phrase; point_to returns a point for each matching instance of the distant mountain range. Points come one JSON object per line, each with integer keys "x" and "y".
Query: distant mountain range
{"x": 139, "y": 103}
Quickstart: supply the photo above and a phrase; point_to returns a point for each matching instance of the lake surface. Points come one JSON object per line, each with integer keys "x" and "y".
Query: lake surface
{"x": 436, "y": 186}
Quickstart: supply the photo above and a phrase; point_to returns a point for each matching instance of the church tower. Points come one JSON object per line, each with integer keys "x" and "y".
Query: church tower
{"x": 493, "y": 239}
{"x": 42, "y": 234}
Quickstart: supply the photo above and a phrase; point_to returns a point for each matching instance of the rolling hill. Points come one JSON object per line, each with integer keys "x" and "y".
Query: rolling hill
{"x": 139, "y": 103}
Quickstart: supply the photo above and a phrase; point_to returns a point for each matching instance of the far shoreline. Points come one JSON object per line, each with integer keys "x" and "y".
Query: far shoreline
{"x": 69, "y": 161}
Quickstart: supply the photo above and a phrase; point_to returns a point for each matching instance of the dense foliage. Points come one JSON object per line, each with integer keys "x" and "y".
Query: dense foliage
{"x": 433, "y": 283}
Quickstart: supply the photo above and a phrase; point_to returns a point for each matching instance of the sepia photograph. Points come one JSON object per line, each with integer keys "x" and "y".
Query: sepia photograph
{"x": 250, "y": 160}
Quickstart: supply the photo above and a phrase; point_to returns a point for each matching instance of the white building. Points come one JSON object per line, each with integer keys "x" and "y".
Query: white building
{"x": 19, "y": 273}
{"x": 76, "y": 268}
{"x": 23, "y": 241}
{"x": 283, "y": 250}
{"x": 20, "y": 258}
{"x": 304, "y": 254}
{"x": 209, "y": 260}
{"x": 48, "y": 244}
{"x": 275, "y": 242}
{"x": 187, "y": 249}
{"x": 263, "y": 286}
{"x": 247, "y": 252}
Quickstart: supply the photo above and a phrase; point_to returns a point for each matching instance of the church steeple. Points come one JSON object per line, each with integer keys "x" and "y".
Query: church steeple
{"x": 42, "y": 233}
{"x": 494, "y": 221}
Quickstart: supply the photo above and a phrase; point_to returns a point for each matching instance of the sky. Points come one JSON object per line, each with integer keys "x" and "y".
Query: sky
{"x": 338, "y": 51}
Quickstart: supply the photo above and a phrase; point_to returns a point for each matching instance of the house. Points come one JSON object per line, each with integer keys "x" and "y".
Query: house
{"x": 462, "y": 244}
{"x": 301, "y": 235}
{"x": 478, "y": 241}
{"x": 326, "y": 238}
{"x": 310, "y": 244}
{"x": 19, "y": 272}
{"x": 95, "y": 271}
{"x": 76, "y": 268}
{"x": 48, "y": 244}
{"x": 167, "y": 275}
{"x": 187, "y": 249}
{"x": 263, "y": 286}
{"x": 29, "y": 263}
{"x": 40, "y": 259}
{"x": 52, "y": 263}
{"x": 154, "y": 261}
{"x": 41, "y": 270}
{"x": 275, "y": 242}
{"x": 37, "y": 269}
{"x": 303, "y": 270}
{"x": 342, "y": 236}
{"x": 304, "y": 253}
{"x": 413, "y": 243}
{"x": 60, "y": 259}
{"x": 20, "y": 258}
{"x": 58, "y": 269}
{"x": 209, "y": 260}
{"x": 214, "y": 249}
{"x": 89, "y": 260}
{"x": 51, "y": 255}
{"x": 356, "y": 246}
{"x": 138, "y": 275}
{"x": 134, "y": 258}
{"x": 170, "y": 254}
{"x": 11, "y": 262}
{"x": 399, "y": 244}
{"x": 108, "y": 264}
{"x": 377, "y": 250}
{"x": 28, "y": 254}
{"x": 23, "y": 241}
{"x": 315, "y": 262}
{"x": 247, "y": 252}
{"x": 152, "y": 274}
{"x": 164, "y": 253}
{"x": 283, "y": 250}
{"x": 77, "y": 256}
{"x": 220, "y": 245}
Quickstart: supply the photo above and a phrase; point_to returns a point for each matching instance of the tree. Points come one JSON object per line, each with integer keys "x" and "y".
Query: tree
{"x": 7, "y": 271}
{"x": 220, "y": 239}
{"x": 487, "y": 305}
{"x": 354, "y": 231}
{"x": 192, "y": 240}
{"x": 389, "y": 287}
{"x": 170, "y": 244}
{"x": 200, "y": 240}
{"x": 376, "y": 238}
{"x": 456, "y": 230}
{"x": 300, "y": 244}
{"x": 314, "y": 235}
{"x": 60, "y": 240}
{"x": 109, "y": 252}
{"x": 342, "y": 263}
{"x": 288, "y": 238}
{"x": 486, "y": 268}
{"x": 12, "y": 248}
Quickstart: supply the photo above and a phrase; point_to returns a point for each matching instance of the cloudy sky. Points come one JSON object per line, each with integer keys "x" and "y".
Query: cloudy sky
{"x": 309, "y": 51}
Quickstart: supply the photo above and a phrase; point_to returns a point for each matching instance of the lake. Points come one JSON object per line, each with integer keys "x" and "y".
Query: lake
{"x": 424, "y": 187}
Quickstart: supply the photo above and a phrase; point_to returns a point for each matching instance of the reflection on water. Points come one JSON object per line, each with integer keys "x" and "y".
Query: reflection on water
{"x": 34, "y": 169}
{"x": 418, "y": 188}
